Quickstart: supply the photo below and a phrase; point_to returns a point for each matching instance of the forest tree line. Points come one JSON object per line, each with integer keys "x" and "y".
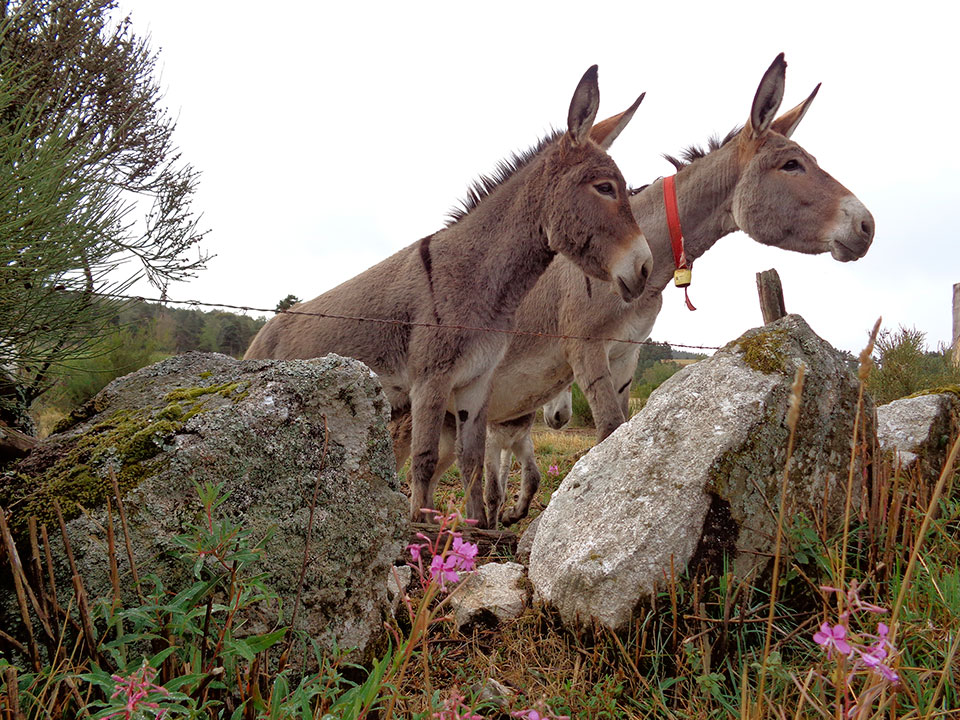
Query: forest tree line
{"x": 139, "y": 334}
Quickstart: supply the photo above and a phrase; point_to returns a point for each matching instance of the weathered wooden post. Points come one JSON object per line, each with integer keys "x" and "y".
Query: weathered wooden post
{"x": 956, "y": 324}
{"x": 771, "y": 296}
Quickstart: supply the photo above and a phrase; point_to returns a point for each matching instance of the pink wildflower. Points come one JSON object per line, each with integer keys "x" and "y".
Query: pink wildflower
{"x": 444, "y": 570}
{"x": 874, "y": 655}
{"x": 554, "y": 471}
{"x": 465, "y": 552}
{"x": 455, "y": 709}
{"x": 853, "y": 598}
{"x": 136, "y": 687}
{"x": 833, "y": 638}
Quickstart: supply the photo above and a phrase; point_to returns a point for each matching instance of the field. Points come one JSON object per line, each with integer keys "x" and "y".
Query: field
{"x": 862, "y": 624}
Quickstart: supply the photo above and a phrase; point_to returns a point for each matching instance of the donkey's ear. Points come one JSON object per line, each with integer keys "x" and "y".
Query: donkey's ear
{"x": 767, "y": 100}
{"x": 787, "y": 123}
{"x": 606, "y": 131}
{"x": 584, "y": 106}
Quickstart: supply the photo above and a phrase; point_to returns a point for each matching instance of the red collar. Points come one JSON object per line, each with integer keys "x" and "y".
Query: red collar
{"x": 682, "y": 274}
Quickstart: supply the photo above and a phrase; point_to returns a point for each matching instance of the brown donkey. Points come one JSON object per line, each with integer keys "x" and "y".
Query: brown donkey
{"x": 564, "y": 196}
{"x": 758, "y": 181}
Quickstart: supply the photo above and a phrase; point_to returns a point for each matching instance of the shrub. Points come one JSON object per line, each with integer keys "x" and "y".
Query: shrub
{"x": 652, "y": 378}
{"x": 905, "y": 367}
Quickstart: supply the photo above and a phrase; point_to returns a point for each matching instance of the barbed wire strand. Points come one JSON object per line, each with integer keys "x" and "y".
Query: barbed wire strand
{"x": 409, "y": 323}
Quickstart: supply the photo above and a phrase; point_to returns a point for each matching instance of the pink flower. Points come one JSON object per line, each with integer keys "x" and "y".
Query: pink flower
{"x": 874, "y": 655}
{"x": 833, "y": 638}
{"x": 465, "y": 552}
{"x": 444, "y": 570}
{"x": 136, "y": 688}
{"x": 554, "y": 471}
{"x": 853, "y": 598}
{"x": 455, "y": 709}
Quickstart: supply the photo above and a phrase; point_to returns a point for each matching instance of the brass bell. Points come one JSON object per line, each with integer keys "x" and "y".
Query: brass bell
{"x": 682, "y": 277}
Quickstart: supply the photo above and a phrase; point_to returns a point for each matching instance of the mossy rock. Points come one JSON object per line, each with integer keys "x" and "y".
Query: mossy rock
{"x": 764, "y": 350}
{"x": 271, "y": 433}
{"x": 74, "y": 467}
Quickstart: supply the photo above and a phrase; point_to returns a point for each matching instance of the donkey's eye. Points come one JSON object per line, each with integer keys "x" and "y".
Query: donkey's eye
{"x": 792, "y": 166}
{"x": 606, "y": 188}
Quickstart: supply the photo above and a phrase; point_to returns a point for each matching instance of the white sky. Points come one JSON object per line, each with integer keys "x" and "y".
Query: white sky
{"x": 330, "y": 135}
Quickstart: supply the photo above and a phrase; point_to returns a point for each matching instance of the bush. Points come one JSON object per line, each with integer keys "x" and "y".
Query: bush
{"x": 116, "y": 353}
{"x": 652, "y": 378}
{"x": 905, "y": 367}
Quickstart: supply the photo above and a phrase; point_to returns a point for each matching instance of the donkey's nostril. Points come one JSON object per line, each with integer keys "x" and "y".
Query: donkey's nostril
{"x": 866, "y": 227}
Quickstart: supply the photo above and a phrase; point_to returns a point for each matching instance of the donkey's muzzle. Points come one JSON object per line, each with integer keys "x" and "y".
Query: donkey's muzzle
{"x": 853, "y": 230}
{"x": 629, "y": 285}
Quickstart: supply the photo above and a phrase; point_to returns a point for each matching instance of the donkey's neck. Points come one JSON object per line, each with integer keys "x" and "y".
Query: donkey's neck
{"x": 704, "y": 199}
{"x": 502, "y": 244}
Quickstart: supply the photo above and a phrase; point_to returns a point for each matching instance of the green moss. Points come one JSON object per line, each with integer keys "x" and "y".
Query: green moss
{"x": 764, "y": 351}
{"x": 127, "y": 441}
{"x": 942, "y": 390}
{"x": 173, "y": 411}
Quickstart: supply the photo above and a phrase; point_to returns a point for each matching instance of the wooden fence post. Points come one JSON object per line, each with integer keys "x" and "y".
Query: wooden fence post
{"x": 956, "y": 324}
{"x": 771, "y": 296}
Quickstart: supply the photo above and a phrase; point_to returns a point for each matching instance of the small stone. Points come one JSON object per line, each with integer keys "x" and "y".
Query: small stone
{"x": 493, "y": 692}
{"x": 495, "y": 592}
{"x": 395, "y": 591}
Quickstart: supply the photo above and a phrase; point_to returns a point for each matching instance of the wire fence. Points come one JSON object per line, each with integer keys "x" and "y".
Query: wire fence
{"x": 408, "y": 323}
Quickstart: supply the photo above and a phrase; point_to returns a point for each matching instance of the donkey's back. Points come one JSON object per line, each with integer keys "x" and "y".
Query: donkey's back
{"x": 385, "y": 295}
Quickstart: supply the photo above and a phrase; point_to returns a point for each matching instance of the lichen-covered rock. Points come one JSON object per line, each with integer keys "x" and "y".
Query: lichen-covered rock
{"x": 495, "y": 592}
{"x": 259, "y": 428}
{"x": 919, "y": 429}
{"x": 697, "y": 473}
{"x": 525, "y": 544}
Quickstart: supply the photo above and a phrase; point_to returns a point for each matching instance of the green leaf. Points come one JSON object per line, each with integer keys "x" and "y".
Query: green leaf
{"x": 259, "y": 643}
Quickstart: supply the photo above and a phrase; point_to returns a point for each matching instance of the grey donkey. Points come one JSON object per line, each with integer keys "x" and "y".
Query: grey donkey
{"x": 565, "y": 196}
{"x": 758, "y": 180}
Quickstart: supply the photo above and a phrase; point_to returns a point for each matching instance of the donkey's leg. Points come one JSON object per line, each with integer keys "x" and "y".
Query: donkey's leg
{"x": 471, "y": 403}
{"x": 497, "y": 460}
{"x": 622, "y": 368}
{"x": 428, "y": 404}
{"x": 496, "y": 466}
{"x": 446, "y": 452}
{"x": 592, "y": 371}
{"x": 401, "y": 428}
{"x": 523, "y": 449}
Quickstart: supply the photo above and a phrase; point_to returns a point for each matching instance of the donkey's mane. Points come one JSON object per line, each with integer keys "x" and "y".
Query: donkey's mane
{"x": 506, "y": 169}
{"x": 695, "y": 152}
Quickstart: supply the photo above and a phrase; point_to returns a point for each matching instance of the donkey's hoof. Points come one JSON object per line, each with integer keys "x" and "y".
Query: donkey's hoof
{"x": 482, "y": 524}
{"x": 511, "y": 518}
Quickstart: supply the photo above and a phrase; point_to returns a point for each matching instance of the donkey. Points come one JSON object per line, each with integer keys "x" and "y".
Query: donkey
{"x": 758, "y": 180}
{"x": 564, "y": 196}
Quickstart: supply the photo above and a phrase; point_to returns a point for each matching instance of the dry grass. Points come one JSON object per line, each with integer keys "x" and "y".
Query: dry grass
{"x": 700, "y": 649}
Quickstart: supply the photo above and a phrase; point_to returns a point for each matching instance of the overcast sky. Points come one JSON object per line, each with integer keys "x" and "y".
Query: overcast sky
{"x": 329, "y": 135}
